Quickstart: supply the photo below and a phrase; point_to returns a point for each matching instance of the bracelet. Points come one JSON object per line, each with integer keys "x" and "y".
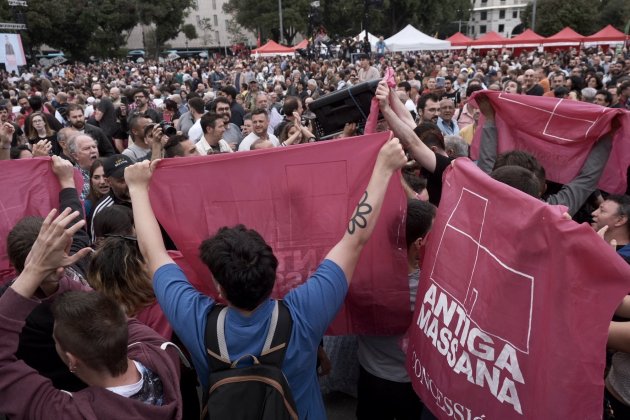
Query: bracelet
{"x": 283, "y": 144}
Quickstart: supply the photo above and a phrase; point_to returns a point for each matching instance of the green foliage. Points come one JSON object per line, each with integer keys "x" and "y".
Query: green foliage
{"x": 616, "y": 13}
{"x": 263, "y": 15}
{"x": 189, "y": 31}
{"x": 345, "y": 18}
{"x": 554, "y": 15}
{"x": 236, "y": 32}
{"x": 82, "y": 28}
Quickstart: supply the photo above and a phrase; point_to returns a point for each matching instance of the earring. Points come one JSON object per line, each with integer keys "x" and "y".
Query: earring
{"x": 73, "y": 369}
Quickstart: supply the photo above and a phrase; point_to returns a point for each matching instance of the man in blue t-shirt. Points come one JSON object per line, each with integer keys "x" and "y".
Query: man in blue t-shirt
{"x": 244, "y": 270}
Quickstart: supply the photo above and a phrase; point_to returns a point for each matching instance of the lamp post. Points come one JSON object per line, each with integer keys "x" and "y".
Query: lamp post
{"x": 280, "y": 19}
{"x": 534, "y": 16}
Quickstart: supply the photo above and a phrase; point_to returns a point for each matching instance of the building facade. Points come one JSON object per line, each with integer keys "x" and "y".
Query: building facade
{"x": 215, "y": 29}
{"x": 500, "y": 16}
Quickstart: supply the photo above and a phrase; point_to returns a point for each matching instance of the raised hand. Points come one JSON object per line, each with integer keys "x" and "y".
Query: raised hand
{"x": 42, "y": 148}
{"x": 391, "y": 156}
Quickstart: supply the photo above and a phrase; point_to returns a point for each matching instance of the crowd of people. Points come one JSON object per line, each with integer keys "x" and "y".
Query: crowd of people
{"x": 90, "y": 317}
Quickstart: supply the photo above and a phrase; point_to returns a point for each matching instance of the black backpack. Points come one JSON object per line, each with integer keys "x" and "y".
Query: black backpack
{"x": 255, "y": 392}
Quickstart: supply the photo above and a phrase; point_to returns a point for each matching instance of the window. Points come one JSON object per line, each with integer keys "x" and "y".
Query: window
{"x": 216, "y": 35}
{"x": 484, "y": 1}
{"x": 483, "y": 16}
{"x": 501, "y": 14}
{"x": 482, "y": 29}
{"x": 216, "y": 20}
{"x": 515, "y": 14}
{"x": 214, "y": 4}
{"x": 501, "y": 28}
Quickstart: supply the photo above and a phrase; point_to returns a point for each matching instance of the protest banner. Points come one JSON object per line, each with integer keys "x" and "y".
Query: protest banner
{"x": 559, "y": 133}
{"x": 300, "y": 199}
{"x": 29, "y": 188}
{"x": 513, "y": 306}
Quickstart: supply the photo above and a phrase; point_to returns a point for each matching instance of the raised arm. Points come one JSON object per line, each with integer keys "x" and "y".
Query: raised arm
{"x": 619, "y": 336}
{"x": 69, "y": 198}
{"x": 48, "y": 254}
{"x": 575, "y": 193}
{"x": 148, "y": 231}
{"x": 400, "y": 110}
{"x": 488, "y": 144}
{"x": 420, "y": 152}
{"x": 346, "y": 253}
{"x": 6, "y": 135}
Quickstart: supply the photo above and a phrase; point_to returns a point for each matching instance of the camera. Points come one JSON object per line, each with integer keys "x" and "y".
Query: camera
{"x": 168, "y": 129}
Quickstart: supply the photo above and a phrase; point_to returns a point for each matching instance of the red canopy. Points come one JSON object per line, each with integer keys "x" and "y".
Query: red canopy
{"x": 459, "y": 41}
{"x": 489, "y": 41}
{"x": 565, "y": 38}
{"x": 273, "y": 48}
{"x": 528, "y": 38}
{"x": 608, "y": 35}
{"x": 301, "y": 45}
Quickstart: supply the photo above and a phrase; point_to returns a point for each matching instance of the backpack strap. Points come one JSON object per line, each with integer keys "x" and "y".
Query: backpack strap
{"x": 216, "y": 346}
{"x": 275, "y": 346}
{"x": 278, "y": 336}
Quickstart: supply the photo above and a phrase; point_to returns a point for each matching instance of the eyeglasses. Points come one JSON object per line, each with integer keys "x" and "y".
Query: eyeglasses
{"x": 138, "y": 97}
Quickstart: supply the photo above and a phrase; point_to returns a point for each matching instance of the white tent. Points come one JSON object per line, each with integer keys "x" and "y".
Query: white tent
{"x": 373, "y": 39}
{"x": 411, "y": 39}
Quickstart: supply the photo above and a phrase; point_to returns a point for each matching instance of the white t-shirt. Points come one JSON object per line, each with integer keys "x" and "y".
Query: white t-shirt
{"x": 251, "y": 138}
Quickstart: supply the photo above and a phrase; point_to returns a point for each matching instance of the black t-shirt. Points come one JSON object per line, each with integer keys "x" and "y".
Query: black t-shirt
{"x": 434, "y": 180}
{"x": 536, "y": 90}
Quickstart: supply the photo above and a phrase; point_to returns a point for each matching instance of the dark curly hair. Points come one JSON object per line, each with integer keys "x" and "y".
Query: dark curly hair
{"x": 242, "y": 263}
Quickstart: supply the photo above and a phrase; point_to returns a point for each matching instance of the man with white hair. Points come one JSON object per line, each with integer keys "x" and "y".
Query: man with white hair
{"x": 84, "y": 152}
{"x": 312, "y": 89}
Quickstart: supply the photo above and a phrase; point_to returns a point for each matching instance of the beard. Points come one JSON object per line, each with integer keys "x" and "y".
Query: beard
{"x": 79, "y": 125}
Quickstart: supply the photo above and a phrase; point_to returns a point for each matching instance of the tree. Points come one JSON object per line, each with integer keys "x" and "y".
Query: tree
{"x": 62, "y": 24}
{"x": 616, "y": 13}
{"x": 554, "y": 15}
{"x": 189, "y": 32}
{"x": 167, "y": 17}
{"x": 236, "y": 32}
{"x": 82, "y": 28}
{"x": 113, "y": 20}
{"x": 263, "y": 15}
{"x": 205, "y": 25}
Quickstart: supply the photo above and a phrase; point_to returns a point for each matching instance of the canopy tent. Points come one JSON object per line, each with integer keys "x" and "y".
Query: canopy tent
{"x": 607, "y": 36}
{"x": 301, "y": 45}
{"x": 411, "y": 39}
{"x": 372, "y": 38}
{"x": 459, "y": 41}
{"x": 527, "y": 39}
{"x": 271, "y": 49}
{"x": 565, "y": 38}
{"x": 488, "y": 41}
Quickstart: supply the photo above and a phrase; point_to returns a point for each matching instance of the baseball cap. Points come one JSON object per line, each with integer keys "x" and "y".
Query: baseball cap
{"x": 114, "y": 166}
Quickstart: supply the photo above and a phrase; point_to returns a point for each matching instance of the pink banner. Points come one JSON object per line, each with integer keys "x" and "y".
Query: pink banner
{"x": 299, "y": 199}
{"x": 28, "y": 188}
{"x": 513, "y": 306}
{"x": 560, "y": 133}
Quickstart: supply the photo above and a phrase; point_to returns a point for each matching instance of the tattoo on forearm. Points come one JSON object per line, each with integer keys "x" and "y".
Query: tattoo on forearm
{"x": 359, "y": 220}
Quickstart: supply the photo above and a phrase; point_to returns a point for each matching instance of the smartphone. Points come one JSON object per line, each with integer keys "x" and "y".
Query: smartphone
{"x": 124, "y": 100}
{"x": 439, "y": 82}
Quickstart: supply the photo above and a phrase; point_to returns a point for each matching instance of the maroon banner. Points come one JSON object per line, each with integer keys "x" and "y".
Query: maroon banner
{"x": 28, "y": 187}
{"x": 513, "y": 306}
{"x": 299, "y": 199}
{"x": 560, "y": 133}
